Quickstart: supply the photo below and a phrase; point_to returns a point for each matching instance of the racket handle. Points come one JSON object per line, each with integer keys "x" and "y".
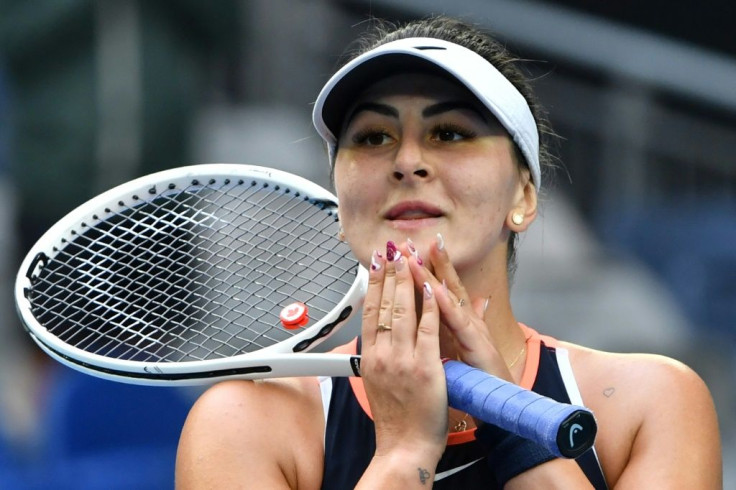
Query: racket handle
{"x": 563, "y": 429}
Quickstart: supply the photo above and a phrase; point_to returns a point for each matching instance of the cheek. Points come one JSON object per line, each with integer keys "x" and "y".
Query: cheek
{"x": 355, "y": 220}
{"x": 356, "y": 193}
{"x": 345, "y": 187}
{"x": 494, "y": 178}
{"x": 487, "y": 211}
{"x": 486, "y": 196}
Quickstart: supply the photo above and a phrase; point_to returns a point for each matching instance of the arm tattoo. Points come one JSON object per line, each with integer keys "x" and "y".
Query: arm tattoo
{"x": 423, "y": 475}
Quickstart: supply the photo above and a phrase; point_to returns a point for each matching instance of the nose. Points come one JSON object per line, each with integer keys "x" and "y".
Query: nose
{"x": 409, "y": 161}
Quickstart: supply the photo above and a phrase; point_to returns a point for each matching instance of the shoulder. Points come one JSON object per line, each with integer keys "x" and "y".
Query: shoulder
{"x": 256, "y": 392}
{"x": 648, "y": 381}
{"x": 637, "y": 374}
{"x": 653, "y": 412}
{"x": 267, "y": 433}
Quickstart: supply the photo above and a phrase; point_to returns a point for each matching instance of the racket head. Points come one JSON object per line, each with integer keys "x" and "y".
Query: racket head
{"x": 186, "y": 271}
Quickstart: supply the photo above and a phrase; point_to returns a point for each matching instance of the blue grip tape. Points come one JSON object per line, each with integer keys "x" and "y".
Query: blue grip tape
{"x": 565, "y": 430}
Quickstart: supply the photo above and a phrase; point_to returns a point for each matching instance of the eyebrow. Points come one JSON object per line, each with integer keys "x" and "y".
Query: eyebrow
{"x": 453, "y": 105}
{"x": 383, "y": 109}
{"x": 433, "y": 110}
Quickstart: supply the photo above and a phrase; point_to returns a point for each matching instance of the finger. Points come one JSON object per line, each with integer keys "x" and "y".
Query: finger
{"x": 428, "y": 327}
{"x": 384, "y": 326}
{"x": 411, "y": 248}
{"x": 445, "y": 271}
{"x": 456, "y": 318}
{"x": 403, "y": 317}
{"x": 480, "y": 306}
{"x": 464, "y": 323}
{"x": 372, "y": 300}
{"x": 421, "y": 275}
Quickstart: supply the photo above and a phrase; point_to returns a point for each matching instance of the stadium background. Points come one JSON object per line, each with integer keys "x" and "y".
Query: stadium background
{"x": 635, "y": 249}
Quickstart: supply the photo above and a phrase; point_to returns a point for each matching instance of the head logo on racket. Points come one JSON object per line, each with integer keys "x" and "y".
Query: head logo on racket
{"x": 294, "y": 316}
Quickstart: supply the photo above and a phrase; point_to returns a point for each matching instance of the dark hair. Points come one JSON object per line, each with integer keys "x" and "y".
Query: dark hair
{"x": 477, "y": 40}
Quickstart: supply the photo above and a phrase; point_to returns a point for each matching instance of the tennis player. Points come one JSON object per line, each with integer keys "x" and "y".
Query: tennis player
{"x": 438, "y": 149}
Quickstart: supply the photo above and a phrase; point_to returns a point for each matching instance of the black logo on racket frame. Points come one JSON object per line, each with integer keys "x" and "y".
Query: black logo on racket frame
{"x": 324, "y": 331}
{"x": 355, "y": 365}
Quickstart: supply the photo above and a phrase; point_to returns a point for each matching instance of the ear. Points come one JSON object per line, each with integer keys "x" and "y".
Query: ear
{"x": 524, "y": 210}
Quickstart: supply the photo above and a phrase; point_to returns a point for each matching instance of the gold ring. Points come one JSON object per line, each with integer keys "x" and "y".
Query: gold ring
{"x": 382, "y": 327}
{"x": 461, "y": 303}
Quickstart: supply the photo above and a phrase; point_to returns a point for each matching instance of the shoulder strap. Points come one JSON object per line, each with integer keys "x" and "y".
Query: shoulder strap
{"x": 576, "y": 398}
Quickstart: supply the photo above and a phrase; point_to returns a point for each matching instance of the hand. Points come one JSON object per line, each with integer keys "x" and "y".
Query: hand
{"x": 464, "y": 317}
{"x": 401, "y": 367}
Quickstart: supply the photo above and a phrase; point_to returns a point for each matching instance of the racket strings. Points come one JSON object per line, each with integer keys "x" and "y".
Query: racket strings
{"x": 193, "y": 274}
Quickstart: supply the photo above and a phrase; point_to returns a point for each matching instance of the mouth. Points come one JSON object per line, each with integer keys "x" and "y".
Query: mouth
{"x": 413, "y": 211}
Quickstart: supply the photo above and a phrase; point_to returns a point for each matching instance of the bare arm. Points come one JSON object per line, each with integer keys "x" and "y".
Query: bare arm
{"x": 659, "y": 430}
{"x": 242, "y": 434}
{"x": 678, "y": 442}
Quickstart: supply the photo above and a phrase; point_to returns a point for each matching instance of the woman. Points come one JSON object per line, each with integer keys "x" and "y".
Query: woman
{"x": 434, "y": 140}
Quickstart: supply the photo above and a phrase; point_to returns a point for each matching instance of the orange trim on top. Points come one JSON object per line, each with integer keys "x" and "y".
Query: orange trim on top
{"x": 454, "y": 438}
{"x": 533, "y": 348}
{"x": 548, "y": 341}
{"x": 531, "y": 364}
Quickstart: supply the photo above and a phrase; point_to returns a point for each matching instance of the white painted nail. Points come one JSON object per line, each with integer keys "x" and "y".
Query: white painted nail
{"x": 440, "y": 242}
{"x": 375, "y": 264}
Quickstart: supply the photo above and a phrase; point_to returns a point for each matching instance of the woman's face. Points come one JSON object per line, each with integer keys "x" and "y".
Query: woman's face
{"x": 419, "y": 155}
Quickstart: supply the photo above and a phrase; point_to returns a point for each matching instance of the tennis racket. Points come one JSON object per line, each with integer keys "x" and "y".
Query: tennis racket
{"x": 203, "y": 273}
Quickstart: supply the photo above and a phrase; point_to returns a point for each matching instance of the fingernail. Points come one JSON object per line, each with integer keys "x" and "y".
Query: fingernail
{"x": 413, "y": 251}
{"x": 391, "y": 250}
{"x": 400, "y": 262}
{"x": 375, "y": 261}
{"x": 440, "y": 242}
{"x": 444, "y": 286}
{"x": 427, "y": 291}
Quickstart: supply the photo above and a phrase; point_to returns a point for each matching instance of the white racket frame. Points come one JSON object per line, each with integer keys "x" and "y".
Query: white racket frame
{"x": 277, "y": 360}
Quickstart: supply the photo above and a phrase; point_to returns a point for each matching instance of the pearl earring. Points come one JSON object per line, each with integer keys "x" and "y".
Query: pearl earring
{"x": 517, "y": 218}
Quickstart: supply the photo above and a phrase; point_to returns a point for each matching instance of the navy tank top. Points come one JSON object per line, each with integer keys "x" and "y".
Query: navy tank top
{"x": 350, "y": 435}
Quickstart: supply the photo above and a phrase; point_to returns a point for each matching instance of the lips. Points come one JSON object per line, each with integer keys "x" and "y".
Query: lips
{"x": 413, "y": 210}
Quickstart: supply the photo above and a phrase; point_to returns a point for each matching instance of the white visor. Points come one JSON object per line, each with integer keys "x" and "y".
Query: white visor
{"x": 491, "y": 88}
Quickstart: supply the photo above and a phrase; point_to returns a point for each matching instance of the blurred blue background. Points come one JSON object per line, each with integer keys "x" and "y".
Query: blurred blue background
{"x": 635, "y": 249}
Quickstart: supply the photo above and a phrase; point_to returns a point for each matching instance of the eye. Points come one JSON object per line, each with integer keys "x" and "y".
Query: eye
{"x": 371, "y": 137}
{"x": 452, "y": 132}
